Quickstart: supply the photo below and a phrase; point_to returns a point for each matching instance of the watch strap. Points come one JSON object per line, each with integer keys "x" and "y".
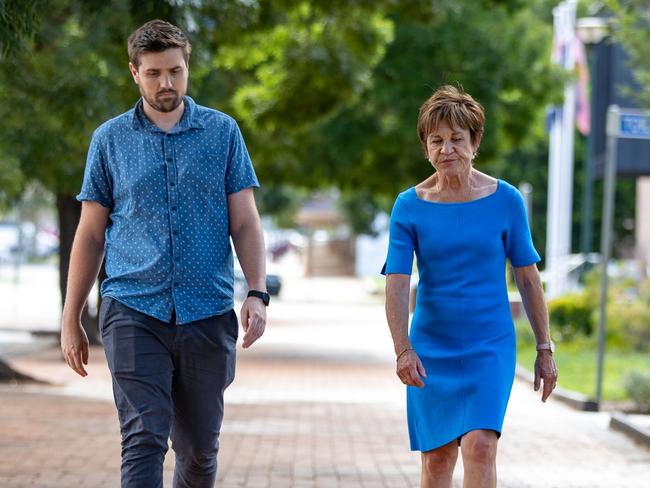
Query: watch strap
{"x": 265, "y": 297}
{"x": 546, "y": 346}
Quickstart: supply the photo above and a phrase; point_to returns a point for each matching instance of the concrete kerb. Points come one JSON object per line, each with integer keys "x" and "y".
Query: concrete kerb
{"x": 621, "y": 422}
{"x": 618, "y": 420}
{"x": 9, "y": 375}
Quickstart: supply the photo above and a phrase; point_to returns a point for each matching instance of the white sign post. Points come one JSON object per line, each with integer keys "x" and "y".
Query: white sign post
{"x": 621, "y": 124}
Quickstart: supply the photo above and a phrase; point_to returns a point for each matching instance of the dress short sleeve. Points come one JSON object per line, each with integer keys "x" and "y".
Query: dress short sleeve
{"x": 239, "y": 173}
{"x": 97, "y": 184}
{"x": 401, "y": 244}
{"x": 519, "y": 242}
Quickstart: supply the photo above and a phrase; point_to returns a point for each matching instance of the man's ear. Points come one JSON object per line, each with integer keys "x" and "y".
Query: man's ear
{"x": 134, "y": 73}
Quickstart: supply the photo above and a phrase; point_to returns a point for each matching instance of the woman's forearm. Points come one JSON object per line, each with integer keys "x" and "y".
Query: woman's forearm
{"x": 530, "y": 288}
{"x": 397, "y": 310}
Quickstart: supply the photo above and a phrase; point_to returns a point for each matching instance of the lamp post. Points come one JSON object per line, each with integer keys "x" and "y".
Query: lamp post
{"x": 591, "y": 31}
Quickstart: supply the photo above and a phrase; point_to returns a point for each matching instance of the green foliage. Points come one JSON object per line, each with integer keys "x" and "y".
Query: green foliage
{"x": 628, "y": 326}
{"x": 637, "y": 387}
{"x": 11, "y": 181}
{"x": 628, "y": 315}
{"x": 18, "y": 20}
{"x": 571, "y": 316}
{"x": 575, "y": 316}
{"x": 281, "y": 201}
{"x": 71, "y": 77}
{"x": 282, "y": 67}
{"x": 305, "y": 65}
{"x": 327, "y": 93}
{"x": 373, "y": 143}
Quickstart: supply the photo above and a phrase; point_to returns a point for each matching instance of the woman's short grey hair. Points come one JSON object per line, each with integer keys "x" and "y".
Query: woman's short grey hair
{"x": 453, "y": 106}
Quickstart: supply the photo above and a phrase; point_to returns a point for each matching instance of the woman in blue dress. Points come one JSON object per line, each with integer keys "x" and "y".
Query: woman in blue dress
{"x": 458, "y": 360}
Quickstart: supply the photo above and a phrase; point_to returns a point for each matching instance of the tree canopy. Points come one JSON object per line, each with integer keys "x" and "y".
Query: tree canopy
{"x": 18, "y": 19}
{"x": 327, "y": 93}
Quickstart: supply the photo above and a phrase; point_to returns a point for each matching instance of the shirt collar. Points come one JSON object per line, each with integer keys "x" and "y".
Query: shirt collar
{"x": 191, "y": 118}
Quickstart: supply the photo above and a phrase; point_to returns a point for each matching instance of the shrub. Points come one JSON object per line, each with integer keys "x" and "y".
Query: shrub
{"x": 628, "y": 326}
{"x": 637, "y": 386}
{"x": 525, "y": 335}
{"x": 571, "y": 316}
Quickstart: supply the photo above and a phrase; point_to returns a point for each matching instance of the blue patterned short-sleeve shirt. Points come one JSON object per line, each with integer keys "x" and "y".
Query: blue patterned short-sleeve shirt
{"x": 167, "y": 241}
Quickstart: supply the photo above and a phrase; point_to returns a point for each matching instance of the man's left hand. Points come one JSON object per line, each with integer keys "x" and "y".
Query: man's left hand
{"x": 253, "y": 320}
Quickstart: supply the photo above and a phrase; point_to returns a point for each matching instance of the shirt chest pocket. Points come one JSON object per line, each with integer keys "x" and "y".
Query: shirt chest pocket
{"x": 202, "y": 173}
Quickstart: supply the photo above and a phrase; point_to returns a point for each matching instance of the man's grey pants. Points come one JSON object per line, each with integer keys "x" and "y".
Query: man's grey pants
{"x": 168, "y": 377}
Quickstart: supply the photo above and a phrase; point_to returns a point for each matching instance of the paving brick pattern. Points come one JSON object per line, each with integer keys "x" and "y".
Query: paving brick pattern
{"x": 302, "y": 414}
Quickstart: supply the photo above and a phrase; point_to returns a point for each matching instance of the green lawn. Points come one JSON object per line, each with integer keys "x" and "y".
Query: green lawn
{"x": 576, "y": 363}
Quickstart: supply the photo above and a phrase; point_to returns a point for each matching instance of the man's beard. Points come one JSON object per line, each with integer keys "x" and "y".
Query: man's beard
{"x": 164, "y": 104}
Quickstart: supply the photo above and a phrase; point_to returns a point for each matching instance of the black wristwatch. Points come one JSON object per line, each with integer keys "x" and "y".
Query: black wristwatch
{"x": 265, "y": 297}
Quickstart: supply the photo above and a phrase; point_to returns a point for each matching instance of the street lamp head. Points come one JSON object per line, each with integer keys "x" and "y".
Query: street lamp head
{"x": 592, "y": 30}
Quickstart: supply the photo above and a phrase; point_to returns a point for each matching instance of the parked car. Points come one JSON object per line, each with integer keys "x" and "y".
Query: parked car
{"x": 273, "y": 284}
{"x": 26, "y": 241}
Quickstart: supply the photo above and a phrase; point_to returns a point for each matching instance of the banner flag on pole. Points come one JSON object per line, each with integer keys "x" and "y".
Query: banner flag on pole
{"x": 583, "y": 112}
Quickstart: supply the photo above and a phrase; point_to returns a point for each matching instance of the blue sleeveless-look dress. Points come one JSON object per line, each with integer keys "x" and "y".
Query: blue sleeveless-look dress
{"x": 461, "y": 329}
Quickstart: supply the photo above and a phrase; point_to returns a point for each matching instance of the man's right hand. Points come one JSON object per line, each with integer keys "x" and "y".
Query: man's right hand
{"x": 74, "y": 345}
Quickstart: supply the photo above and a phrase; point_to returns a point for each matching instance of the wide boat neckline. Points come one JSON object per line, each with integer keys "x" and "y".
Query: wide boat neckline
{"x": 415, "y": 193}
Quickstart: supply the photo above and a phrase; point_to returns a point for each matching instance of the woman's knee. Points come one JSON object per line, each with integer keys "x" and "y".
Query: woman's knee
{"x": 440, "y": 460}
{"x": 480, "y": 447}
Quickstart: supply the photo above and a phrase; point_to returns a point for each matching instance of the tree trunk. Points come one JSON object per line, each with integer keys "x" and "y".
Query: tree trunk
{"x": 10, "y": 375}
{"x": 69, "y": 210}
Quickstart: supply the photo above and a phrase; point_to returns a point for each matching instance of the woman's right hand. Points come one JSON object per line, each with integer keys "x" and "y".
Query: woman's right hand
{"x": 410, "y": 369}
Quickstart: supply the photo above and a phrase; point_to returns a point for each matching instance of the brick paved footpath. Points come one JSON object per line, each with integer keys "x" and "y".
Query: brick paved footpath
{"x": 314, "y": 405}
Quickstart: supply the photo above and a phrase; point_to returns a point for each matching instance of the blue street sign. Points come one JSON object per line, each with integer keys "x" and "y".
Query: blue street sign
{"x": 634, "y": 126}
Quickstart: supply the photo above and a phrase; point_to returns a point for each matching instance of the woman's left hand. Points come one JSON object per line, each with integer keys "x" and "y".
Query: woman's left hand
{"x": 546, "y": 370}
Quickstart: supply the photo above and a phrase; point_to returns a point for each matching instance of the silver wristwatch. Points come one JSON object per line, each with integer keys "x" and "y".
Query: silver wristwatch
{"x": 546, "y": 346}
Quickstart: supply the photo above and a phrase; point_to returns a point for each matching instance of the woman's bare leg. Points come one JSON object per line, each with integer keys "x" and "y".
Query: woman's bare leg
{"x": 479, "y": 450}
{"x": 438, "y": 466}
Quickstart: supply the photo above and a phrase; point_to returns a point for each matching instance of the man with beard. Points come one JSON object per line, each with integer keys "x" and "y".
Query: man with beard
{"x": 166, "y": 185}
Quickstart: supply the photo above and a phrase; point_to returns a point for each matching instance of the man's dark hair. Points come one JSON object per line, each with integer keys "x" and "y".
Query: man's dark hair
{"x": 156, "y": 36}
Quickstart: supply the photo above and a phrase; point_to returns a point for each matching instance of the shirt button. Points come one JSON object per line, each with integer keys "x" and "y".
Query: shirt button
{"x": 174, "y": 207}
{"x": 176, "y": 283}
{"x": 177, "y": 259}
{"x": 175, "y": 232}
{"x": 172, "y": 184}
